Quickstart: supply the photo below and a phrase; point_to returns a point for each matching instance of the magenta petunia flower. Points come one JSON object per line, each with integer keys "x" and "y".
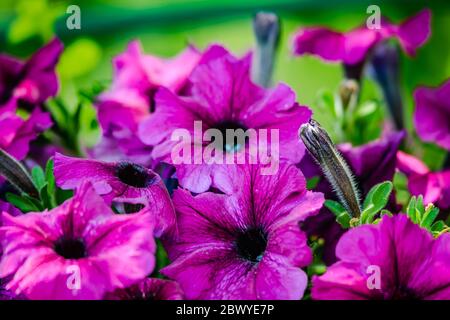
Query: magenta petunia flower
{"x": 247, "y": 245}
{"x": 149, "y": 289}
{"x": 79, "y": 250}
{"x": 131, "y": 99}
{"x": 433, "y": 186}
{"x": 353, "y": 47}
{"x": 17, "y": 132}
{"x": 4, "y": 293}
{"x": 30, "y": 83}
{"x": 371, "y": 163}
{"x": 121, "y": 182}
{"x": 222, "y": 97}
{"x": 432, "y": 114}
{"x": 394, "y": 260}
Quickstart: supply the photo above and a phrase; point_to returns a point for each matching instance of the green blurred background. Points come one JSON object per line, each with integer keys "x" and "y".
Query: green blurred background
{"x": 166, "y": 26}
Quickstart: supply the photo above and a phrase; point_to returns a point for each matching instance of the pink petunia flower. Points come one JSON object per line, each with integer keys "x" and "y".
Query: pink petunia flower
{"x": 353, "y": 47}
{"x": 79, "y": 250}
{"x": 221, "y": 97}
{"x": 30, "y": 83}
{"x": 149, "y": 289}
{"x": 247, "y": 245}
{"x": 16, "y": 133}
{"x": 432, "y": 114}
{"x": 131, "y": 99}
{"x": 4, "y": 293}
{"x": 394, "y": 260}
{"x": 122, "y": 182}
{"x": 433, "y": 186}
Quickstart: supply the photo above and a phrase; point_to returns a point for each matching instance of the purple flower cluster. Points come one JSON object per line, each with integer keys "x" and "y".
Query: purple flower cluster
{"x": 228, "y": 230}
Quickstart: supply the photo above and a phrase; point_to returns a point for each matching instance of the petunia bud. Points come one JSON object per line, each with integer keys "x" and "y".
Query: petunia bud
{"x": 266, "y": 27}
{"x": 348, "y": 91}
{"x": 334, "y": 167}
{"x": 16, "y": 174}
{"x": 384, "y": 68}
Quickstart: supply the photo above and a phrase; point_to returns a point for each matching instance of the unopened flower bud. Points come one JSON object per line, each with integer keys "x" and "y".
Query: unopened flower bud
{"x": 334, "y": 167}
{"x": 266, "y": 27}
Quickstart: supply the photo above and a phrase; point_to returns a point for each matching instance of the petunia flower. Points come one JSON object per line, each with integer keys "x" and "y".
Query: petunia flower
{"x": 247, "y": 245}
{"x": 149, "y": 289}
{"x": 121, "y": 182}
{"x": 32, "y": 82}
{"x": 131, "y": 99}
{"x": 79, "y": 250}
{"x": 393, "y": 260}
{"x": 432, "y": 114}
{"x": 4, "y": 293}
{"x": 221, "y": 97}
{"x": 433, "y": 186}
{"x": 371, "y": 164}
{"x": 353, "y": 47}
{"x": 16, "y": 133}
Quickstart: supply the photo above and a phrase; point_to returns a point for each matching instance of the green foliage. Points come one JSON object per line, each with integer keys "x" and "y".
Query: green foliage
{"x": 75, "y": 127}
{"x": 373, "y": 207}
{"x": 426, "y": 216}
{"x": 34, "y": 19}
{"x": 50, "y": 196}
{"x": 356, "y": 122}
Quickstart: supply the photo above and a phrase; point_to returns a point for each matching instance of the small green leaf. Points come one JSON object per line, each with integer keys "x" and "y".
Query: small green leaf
{"x": 312, "y": 182}
{"x": 342, "y": 216}
{"x": 411, "y": 209}
{"x": 22, "y": 203}
{"x": 381, "y": 195}
{"x": 51, "y": 185}
{"x": 375, "y": 201}
{"x": 429, "y": 216}
{"x": 38, "y": 177}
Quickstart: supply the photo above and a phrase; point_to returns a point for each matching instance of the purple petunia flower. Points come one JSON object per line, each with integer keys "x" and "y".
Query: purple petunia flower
{"x": 371, "y": 164}
{"x": 222, "y": 96}
{"x": 394, "y": 260}
{"x": 247, "y": 245}
{"x": 4, "y": 293}
{"x": 353, "y": 47}
{"x": 16, "y": 132}
{"x": 149, "y": 289}
{"x": 433, "y": 186}
{"x": 29, "y": 84}
{"x": 131, "y": 99}
{"x": 432, "y": 114}
{"x": 121, "y": 182}
{"x": 79, "y": 250}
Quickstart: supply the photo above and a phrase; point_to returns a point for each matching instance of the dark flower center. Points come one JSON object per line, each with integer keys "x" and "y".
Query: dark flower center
{"x": 236, "y": 141}
{"x": 134, "y": 175}
{"x": 404, "y": 293}
{"x": 251, "y": 243}
{"x": 70, "y": 248}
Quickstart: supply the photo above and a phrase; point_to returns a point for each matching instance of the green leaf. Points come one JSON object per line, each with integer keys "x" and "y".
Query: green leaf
{"x": 312, "y": 182}
{"x": 51, "y": 185}
{"x": 411, "y": 209}
{"x": 381, "y": 195}
{"x": 342, "y": 216}
{"x": 375, "y": 201}
{"x": 23, "y": 204}
{"x": 429, "y": 216}
{"x": 38, "y": 177}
